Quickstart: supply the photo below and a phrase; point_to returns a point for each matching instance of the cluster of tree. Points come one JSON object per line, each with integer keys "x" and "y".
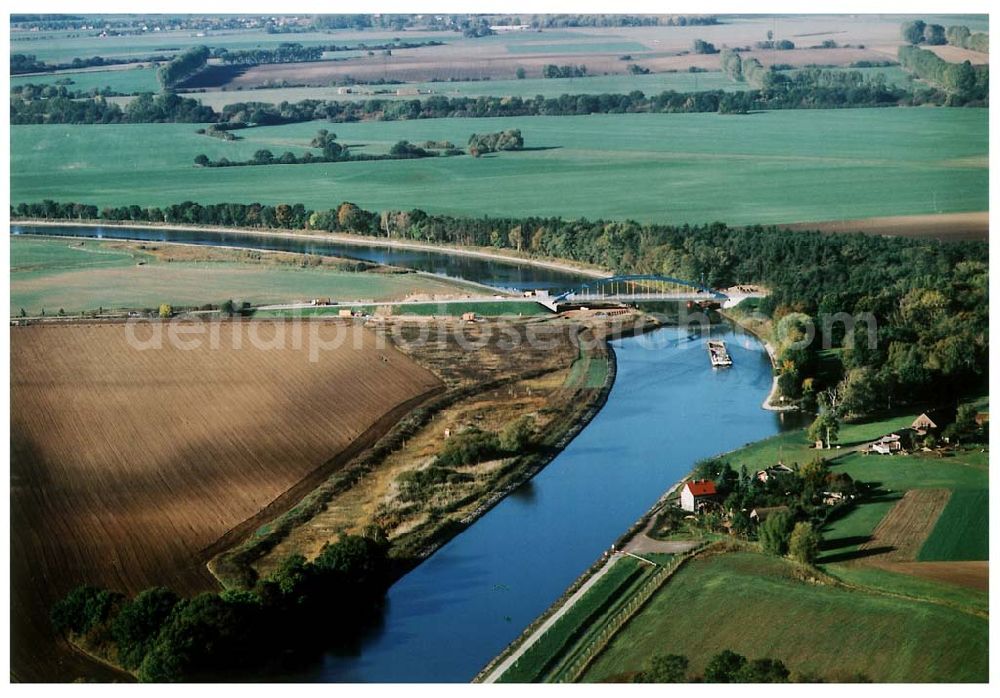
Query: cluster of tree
{"x": 235, "y": 633}
{"x": 480, "y": 143}
{"x": 929, "y": 299}
{"x": 473, "y": 28}
{"x": 919, "y": 32}
{"x": 564, "y": 71}
{"x": 961, "y": 36}
{"x": 794, "y": 500}
{"x": 780, "y": 45}
{"x": 332, "y": 152}
{"x": 704, "y": 47}
{"x": 145, "y": 108}
{"x": 748, "y": 70}
{"x": 468, "y": 447}
{"x": 474, "y": 445}
{"x": 222, "y": 131}
{"x": 182, "y": 66}
{"x": 292, "y": 52}
{"x": 725, "y": 667}
{"x": 636, "y": 69}
{"x": 962, "y": 81}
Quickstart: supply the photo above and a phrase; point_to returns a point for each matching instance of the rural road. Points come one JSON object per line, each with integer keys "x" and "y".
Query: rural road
{"x": 507, "y": 663}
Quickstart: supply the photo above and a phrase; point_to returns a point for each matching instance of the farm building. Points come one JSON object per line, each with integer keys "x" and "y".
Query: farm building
{"x": 982, "y": 418}
{"x": 923, "y": 424}
{"x": 775, "y": 470}
{"x": 760, "y": 514}
{"x": 696, "y": 494}
{"x": 344, "y": 312}
{"x": 468, "y": 317}
{"x": 887, "y": 445}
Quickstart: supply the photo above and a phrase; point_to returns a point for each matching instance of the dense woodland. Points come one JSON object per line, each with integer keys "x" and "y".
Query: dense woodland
{"x": 234, "y": 634}
{"x": 929, "y": 299}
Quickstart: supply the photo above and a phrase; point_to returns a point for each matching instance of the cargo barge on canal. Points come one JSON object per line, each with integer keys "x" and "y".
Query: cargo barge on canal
{"x": 718, "y": 354}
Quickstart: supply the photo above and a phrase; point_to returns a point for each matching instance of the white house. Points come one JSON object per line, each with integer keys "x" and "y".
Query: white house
{"x": 696, "y": 493}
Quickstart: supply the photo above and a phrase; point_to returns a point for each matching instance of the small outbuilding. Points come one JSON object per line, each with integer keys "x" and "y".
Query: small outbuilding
{"x": 774, "y": 471}
{"x": 468, "y": 317}
{"x": 696, "y": 493}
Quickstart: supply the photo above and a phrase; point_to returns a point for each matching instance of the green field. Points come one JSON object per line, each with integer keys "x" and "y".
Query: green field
{"x": 125, "y": 80}
{"x": 54, "y": 274}
{"x": 962, "y": 530}
{"x": 755, "y": 605}
{"x": 774, "y": 167}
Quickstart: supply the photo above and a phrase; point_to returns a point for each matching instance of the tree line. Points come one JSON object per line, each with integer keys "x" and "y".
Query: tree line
{"x": 293, "y": 52}
{"x": 232, "y": 634}
{"x": 143, "y": 109}
{"x": 962, "y": 81}
{"x": 564, "y": 71}
{"x": 182, "y": 66}
{"x": 21, "y": 63}
{"x": 816, "y": 90}
{"x": 929, "y": 298}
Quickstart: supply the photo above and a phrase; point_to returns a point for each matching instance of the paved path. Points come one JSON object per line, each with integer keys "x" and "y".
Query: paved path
{"x": 507, "y": 663}
{"x": 641, "y": 543}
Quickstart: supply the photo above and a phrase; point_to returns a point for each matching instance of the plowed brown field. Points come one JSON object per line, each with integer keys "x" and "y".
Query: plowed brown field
{"x": 128, "y": 465}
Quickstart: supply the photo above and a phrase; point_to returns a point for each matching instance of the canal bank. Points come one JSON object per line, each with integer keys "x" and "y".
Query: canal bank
{"x": 665, "y": 410}
{"x": 464, "y": 604}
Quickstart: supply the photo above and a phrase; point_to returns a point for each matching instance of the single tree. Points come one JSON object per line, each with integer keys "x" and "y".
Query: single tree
{"x": 724, "y": 667}
{"x": 665, "y": 668}
{"x": 775, "y": 532}
{"x": 803, "y": 545}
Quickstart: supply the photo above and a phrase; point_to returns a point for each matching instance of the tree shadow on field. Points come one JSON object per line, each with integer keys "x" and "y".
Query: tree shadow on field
{"x": 854, "y": 554}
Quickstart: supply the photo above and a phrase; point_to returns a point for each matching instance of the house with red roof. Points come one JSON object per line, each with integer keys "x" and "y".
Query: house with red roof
{"x": 696, "y": 493}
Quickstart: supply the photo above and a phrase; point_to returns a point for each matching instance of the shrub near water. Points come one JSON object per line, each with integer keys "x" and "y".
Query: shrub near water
{"x": 238, "y": 631}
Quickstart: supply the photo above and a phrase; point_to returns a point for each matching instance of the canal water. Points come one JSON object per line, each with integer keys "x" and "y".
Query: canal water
{"x": 500, "y": 275}
{"x": 668, "y": 408}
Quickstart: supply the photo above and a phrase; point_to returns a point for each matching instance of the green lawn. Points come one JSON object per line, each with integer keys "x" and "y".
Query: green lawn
{"x": 966, "y": 600}
{"x": 754, "y": 605}
{"x": 670, "y": 168}
{"x": 959, "y": 534}
{"x": 54, "y": 273}
{"x": 962, "y": 530}
{"x": 126, "y": 81}
{"x": 539, "y": 659}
